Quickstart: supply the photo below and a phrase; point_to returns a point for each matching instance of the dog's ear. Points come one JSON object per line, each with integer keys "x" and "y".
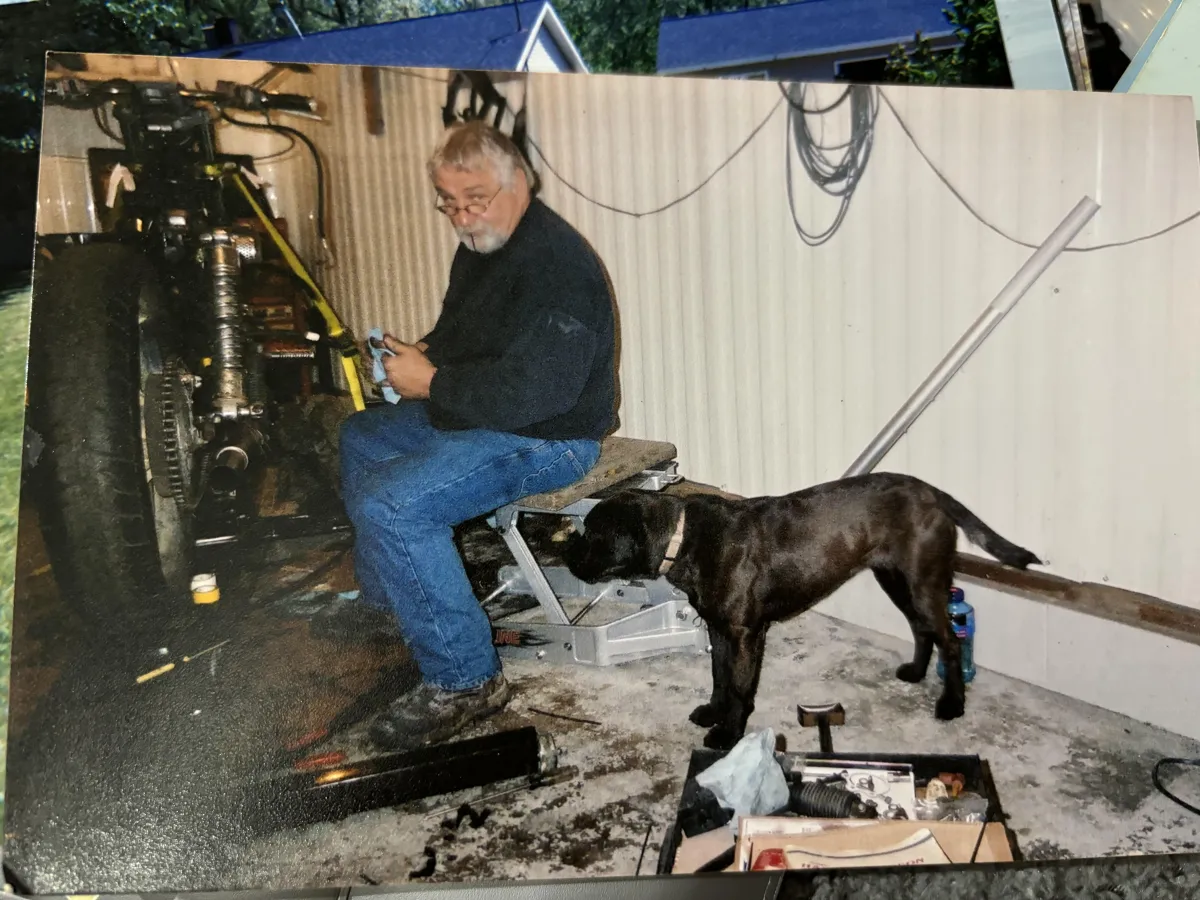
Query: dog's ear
{"x": 614, "y": 542}
{"x": 627, "y": 539}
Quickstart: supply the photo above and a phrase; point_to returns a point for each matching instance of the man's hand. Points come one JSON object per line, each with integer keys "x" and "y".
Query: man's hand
{"x": 409, "y": 372}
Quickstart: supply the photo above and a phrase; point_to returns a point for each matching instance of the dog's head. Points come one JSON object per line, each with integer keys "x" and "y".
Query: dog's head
{"x": 624, "y": 536}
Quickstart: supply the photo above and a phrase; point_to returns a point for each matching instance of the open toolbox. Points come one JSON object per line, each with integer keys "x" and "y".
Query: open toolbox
{"x": 975, "y": 772}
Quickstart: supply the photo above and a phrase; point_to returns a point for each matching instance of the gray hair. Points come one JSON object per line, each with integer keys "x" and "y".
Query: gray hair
{"x": 468, "y": 146}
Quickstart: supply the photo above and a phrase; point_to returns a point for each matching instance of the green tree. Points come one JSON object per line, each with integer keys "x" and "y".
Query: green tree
{"x": 622, "y": 35}
{"x": 616, "y": 35}
{"x": 978, "y": 61}
{"x": 29, "y": 30}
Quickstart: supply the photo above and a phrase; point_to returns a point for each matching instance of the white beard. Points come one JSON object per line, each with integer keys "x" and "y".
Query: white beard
{"x": 483, "y": 239}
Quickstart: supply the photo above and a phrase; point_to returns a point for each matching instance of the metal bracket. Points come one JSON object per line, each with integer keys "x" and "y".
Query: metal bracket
{"x": 664, "y": 623}
{"x": 653, "y": 631}
{"x": 535, "y": 579}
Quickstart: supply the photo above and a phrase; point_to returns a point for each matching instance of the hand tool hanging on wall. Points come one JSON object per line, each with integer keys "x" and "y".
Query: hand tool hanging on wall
{"x": 484, "y": 100}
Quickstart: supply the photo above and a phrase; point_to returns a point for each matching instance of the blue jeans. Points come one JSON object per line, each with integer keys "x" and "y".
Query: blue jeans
{"x": 406, "y": 485}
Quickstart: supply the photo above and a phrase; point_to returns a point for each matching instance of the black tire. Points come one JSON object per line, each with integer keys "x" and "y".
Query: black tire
{"x": 90, "y": 484}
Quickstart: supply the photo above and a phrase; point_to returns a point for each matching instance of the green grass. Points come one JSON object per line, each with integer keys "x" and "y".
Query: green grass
{"x": 14, "y": 345}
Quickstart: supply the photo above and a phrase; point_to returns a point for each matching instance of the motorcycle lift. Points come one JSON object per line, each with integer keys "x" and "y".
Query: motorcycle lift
{"x": 654, "y": 618}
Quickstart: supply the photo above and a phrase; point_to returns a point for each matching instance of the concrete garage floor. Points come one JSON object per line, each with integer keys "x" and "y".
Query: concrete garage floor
{"x": 118, "y": 787}
{"x": 1074, "y": 779}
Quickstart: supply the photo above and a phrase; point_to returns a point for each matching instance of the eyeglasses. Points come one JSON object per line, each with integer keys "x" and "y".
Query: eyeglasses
{"x": 475, "y": 208}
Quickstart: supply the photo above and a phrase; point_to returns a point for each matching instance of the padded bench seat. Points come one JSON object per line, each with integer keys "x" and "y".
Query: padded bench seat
{"x": 621, "y": 459}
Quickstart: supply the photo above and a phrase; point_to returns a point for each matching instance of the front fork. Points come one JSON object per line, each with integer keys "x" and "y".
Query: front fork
{"x": 224, "y": 262}
{"x": 235, "y": 404}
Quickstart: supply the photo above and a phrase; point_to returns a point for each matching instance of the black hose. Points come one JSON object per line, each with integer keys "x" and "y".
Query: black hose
{"x": 824, "y": 801}
{"x": 99, "y": 114}
{"x": 837, "y": 178}
{"x": 299, "y": 135}
{"x": 1173, "y": 761}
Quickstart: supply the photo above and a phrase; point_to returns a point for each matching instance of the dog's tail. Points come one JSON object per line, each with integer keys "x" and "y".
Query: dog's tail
{"x": 979, "y": 533}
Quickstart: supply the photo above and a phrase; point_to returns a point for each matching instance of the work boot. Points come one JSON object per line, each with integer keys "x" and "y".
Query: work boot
{"x": 430, "y": 715}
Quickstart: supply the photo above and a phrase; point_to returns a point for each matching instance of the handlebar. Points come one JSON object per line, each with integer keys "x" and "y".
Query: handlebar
{"x": 228, "y": 95}
{"x": 251, "y": 99}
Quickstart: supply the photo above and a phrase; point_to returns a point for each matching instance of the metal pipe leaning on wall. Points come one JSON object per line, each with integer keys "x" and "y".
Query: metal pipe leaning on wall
{"x": 335, "y": 792}
{"x": 1012, "y": 292}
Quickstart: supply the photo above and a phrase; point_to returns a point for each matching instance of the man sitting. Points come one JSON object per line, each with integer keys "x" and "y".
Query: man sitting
{"x": 509, "y": 395}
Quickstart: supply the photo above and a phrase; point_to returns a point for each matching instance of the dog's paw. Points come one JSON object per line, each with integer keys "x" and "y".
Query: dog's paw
{"x": 720, "y": 739}
{"x": 705, "y": 715}
{"x": 950, "y": 707}
{"x": 911, "y": 673}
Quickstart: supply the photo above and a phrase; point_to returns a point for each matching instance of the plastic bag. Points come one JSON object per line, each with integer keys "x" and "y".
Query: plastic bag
{"x": 966, "y": 807}
{"x": 749, "y": 779}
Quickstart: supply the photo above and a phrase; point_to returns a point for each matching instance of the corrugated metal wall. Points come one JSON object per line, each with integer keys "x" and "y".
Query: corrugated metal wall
{"x": 392, "y": 246}
{"x": 771, "y": 364}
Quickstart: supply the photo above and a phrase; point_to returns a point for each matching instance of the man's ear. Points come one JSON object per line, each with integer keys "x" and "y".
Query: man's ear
{"x": 521, "y": 181}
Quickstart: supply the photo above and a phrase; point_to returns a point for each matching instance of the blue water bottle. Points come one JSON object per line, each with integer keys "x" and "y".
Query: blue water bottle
{"x": 962, "y": 619}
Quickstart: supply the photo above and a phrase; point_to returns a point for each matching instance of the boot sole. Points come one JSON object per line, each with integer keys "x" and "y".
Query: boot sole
{"x": 495, "y": 705}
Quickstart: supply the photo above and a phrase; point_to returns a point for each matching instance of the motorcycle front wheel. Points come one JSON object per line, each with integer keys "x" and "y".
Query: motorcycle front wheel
{"x": 100, "y": 334}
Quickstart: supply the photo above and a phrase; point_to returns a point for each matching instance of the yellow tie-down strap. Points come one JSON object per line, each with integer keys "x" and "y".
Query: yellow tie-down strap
{"x": 345, "y": 340}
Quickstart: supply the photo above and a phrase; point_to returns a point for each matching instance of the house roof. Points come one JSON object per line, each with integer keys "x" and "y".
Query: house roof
{"x": 495, "y": 37}
{"x": 807, "y": 28}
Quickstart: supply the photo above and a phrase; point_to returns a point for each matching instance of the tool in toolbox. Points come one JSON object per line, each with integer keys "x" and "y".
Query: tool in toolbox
{"x": 822, "y": 716}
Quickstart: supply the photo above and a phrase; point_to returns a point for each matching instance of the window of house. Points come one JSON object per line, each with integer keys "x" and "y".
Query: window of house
{"x": 861, "y": 71}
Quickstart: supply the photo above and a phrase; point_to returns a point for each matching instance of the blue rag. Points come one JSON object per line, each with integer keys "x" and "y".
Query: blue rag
{"x": 377, "y": 354}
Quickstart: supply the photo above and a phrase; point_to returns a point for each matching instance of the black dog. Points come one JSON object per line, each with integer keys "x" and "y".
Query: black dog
{"x": 745, "y": 564}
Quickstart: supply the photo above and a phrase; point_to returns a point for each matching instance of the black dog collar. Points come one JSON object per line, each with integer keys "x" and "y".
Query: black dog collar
{"x": 673, "y": 547}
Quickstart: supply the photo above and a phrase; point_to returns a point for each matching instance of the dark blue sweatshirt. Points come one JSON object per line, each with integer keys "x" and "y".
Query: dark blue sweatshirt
{"x": 525, "y": 342}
